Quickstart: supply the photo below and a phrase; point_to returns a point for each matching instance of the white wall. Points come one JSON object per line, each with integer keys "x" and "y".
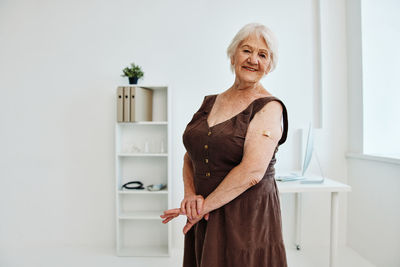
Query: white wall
{"x": 61, "y": 63}
{"x": 373, "y": 220}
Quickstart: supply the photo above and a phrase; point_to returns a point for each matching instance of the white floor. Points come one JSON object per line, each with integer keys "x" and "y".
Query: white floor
{"x": 99, "y": 257}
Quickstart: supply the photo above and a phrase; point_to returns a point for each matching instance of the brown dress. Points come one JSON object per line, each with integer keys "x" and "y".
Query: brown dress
{"x": 246, "y": 232}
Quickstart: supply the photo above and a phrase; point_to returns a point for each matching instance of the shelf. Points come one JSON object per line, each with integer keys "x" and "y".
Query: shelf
{"x": 154, "y": 87}
{"x": 141, "y": 215}
{"x": 142, "y": 154}
{"x": 144, "y": 251}
{"x": 143, "y": 192}
{"x": 144, "y": 123}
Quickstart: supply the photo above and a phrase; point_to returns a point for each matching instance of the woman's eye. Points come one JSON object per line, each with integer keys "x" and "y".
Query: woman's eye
{"x": 263, "y": 56}
{"x": 247, "y": 51}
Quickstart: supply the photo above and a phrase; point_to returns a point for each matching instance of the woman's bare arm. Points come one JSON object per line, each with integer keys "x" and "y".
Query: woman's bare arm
{"x": 263, "y": 135}
{"x": 191, "y": 204}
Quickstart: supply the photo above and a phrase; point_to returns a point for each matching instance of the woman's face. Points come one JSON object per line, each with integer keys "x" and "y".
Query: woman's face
{"x": 251, "y": 59}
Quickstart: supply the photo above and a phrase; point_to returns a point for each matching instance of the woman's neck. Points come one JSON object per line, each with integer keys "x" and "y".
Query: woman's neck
{"x": 246, "y": 88}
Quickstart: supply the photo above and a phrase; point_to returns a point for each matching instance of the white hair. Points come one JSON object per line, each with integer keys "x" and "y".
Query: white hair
{"x": 261, "y": 31}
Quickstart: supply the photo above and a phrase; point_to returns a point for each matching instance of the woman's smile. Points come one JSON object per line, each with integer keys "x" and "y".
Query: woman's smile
{"x": 249, "y": 69}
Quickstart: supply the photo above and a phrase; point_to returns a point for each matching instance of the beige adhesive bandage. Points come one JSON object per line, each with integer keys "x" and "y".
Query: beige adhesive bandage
{"x": 266, "y": 133}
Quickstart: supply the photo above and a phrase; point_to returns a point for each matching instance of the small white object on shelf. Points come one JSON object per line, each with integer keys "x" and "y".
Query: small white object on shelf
{"x": 162, "y": 146}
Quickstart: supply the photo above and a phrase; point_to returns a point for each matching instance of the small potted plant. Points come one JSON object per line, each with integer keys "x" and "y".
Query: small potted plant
{"x": 134, "y": 72}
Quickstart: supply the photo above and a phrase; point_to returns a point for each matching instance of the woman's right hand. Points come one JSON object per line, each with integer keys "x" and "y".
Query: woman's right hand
{"x": 192, "y": 206}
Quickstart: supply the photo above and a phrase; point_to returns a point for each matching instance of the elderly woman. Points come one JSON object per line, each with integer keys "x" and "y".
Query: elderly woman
{"x": 231, "y": 199}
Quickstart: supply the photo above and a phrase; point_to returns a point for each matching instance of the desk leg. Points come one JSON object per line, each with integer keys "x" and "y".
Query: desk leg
{"x": 334, "y": 229}
{"x": 298, "y": 220}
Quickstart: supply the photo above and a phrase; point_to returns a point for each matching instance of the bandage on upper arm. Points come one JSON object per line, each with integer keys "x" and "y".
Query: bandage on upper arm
{"x": 266, "y": 133}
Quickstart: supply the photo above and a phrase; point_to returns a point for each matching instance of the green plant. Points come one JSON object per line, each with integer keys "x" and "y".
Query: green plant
{"x": 133, "y": 71}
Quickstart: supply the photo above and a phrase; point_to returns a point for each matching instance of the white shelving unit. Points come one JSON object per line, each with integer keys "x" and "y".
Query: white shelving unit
{"x": 139, "y": 228}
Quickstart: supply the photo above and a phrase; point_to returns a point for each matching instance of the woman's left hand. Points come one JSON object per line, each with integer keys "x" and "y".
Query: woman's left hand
{"x": 173, "y": 213}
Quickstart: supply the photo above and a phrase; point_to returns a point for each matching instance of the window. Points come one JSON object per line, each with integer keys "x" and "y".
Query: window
{"x": 380, "y": 24}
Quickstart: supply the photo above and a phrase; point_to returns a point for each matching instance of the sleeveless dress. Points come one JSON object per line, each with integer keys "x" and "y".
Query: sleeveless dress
{"x": 247, "y": 231}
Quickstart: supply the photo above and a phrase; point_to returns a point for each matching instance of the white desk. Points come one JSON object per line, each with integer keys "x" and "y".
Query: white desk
{"x": 328, "y": 185}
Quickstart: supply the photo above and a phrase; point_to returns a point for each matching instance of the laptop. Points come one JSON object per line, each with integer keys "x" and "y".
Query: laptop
{"x": 306, "y": 162}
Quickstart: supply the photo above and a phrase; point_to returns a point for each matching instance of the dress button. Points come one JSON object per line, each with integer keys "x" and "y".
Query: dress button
{"x": 205, "y": 146}
{"x": 206, "y": 160}
{"x": 209, "y": 133}
{"x": 207, "y": 174}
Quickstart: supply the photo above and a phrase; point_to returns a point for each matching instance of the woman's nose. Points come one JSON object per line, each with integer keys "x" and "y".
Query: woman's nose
{"x": 253, "y": 59}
